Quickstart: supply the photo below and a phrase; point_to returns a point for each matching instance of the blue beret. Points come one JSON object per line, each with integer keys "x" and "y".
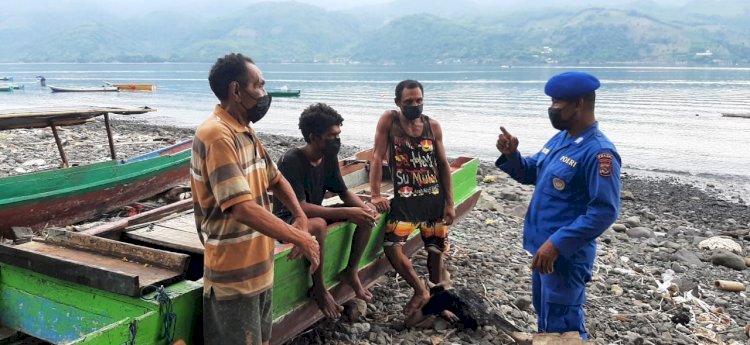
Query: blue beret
{"x": 571, "y": 85}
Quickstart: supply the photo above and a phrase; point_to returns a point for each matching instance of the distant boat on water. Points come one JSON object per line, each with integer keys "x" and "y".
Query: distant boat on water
{"x": 10, "y": 87}
{"x": 6, "y": 78}
{"x": 133, "y": 87}
{"x": 284, "y": 92}
{"x": 103, "y": 88}
{"x": 742, "y": 115}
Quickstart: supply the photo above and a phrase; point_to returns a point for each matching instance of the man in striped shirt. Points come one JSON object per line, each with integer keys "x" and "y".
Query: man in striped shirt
{"x": 230, "y": 176}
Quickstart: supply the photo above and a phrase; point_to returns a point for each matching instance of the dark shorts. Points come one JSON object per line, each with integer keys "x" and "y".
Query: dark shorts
{"x": 245, "y": 320}
{"x": 433, "y": 233}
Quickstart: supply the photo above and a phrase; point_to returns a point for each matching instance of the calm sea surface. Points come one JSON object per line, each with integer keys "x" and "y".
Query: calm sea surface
{"x": 664, "y": 121}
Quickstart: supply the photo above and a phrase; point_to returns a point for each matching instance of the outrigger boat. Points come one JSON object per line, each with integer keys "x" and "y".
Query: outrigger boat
{"x": 72, "y": 194}
{"x": 103, "y": 88}
{"x": 112, "y": 312}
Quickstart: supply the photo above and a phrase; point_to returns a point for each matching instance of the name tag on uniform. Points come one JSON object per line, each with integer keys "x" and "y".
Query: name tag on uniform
{"x": 567, "y": 160}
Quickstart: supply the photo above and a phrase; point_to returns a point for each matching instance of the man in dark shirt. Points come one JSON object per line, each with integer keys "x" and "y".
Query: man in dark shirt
{"x": 312, "y": 170}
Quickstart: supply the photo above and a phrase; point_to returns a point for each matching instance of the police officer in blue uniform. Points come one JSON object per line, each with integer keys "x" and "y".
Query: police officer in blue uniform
{"x": 577, "y": 197}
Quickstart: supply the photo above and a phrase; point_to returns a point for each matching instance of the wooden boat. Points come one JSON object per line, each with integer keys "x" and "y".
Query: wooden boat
{"x": 65, "y": 196}
{"x": 284, "y": 93}
{"x": 135, "y": 87}
{"x": 103, "y": 88}
{"x": 172, "y": 228}
{"x": 742, "y": 115}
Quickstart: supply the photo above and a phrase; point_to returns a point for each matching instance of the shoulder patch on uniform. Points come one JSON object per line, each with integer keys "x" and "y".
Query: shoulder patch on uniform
{"x": 605, "y": 164}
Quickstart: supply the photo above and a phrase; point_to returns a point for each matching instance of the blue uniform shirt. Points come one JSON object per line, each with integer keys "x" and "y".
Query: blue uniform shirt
{"x": 577, "y": 195}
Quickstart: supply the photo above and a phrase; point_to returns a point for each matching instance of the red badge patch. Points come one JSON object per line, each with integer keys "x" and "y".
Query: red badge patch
{"x": 605, "y": 164}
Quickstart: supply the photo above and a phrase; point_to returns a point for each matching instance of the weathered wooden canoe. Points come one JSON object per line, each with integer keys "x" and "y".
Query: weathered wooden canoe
{"x": 135, "y": 87}
{"x": 66, "y": 196}
{"x": 103, "y": 88}
{"x": 292, "y": 308}
{"x": 95, "y": 316}
{"x": 284, "y": 93}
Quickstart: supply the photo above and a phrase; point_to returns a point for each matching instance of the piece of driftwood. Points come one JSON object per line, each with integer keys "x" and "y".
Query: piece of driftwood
{"x": 728, "y": 285}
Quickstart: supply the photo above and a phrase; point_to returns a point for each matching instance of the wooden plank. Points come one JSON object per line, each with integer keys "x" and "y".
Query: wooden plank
{"x": 178, "y": 233}
{"x": 101, "y": 246}
{"x": 113, "y": 229}
{"x": 25, "y": 256}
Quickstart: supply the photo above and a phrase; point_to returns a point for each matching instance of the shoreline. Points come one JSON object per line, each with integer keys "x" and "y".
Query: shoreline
{"x": 661, "y": 224}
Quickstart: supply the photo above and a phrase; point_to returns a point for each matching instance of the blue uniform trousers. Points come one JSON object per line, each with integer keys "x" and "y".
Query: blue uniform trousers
{"x": 559, "y": 297}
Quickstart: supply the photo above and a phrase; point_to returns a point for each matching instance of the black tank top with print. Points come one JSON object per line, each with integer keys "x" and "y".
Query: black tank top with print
{"x": 418, "y": 195}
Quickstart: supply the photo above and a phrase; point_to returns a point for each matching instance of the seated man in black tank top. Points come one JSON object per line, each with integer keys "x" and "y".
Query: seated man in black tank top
{"x": 312, "y": 170}
{"x": 423, "y": 192}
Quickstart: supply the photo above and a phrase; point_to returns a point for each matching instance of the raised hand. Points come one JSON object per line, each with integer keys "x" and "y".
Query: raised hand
{"x": 507, "y": 144}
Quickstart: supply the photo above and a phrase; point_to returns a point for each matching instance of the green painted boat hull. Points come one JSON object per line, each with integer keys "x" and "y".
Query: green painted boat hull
{"x": 61, "y": 312}
{"x": 65, "y": 312}
{"x": 65, "y": 196}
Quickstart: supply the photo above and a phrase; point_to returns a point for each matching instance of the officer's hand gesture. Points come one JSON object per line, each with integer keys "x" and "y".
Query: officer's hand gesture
{"x": 507, "y": 144}
{"x": 545, "y": 258}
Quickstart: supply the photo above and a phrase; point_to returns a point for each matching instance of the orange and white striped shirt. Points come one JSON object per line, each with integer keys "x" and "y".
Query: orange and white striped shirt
{"x": 228, "y": 166}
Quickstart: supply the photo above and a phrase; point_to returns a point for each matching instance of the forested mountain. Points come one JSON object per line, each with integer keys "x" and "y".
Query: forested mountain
{"x": 406, "y": 31}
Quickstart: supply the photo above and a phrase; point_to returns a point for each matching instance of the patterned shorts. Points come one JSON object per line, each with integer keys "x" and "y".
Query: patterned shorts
{"x": 433, "y": 233}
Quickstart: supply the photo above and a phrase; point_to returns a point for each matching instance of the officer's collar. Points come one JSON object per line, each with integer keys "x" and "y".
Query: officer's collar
{"x": 583, "y": 136}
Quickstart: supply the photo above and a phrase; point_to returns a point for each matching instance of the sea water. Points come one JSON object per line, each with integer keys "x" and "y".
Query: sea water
{"x": 665, "y": 121}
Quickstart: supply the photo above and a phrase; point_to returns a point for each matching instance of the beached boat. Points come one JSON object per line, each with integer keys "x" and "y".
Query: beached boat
{"x": 172, "y": 228}
{"x": 103, "y": 88}
{"x": 742, "y": 115}
{"x": 284, "y": 93}
{"x": 135, "y": 87}
{"x": 65, "y": 196}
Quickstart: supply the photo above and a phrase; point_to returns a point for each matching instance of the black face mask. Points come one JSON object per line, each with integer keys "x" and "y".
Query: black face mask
{"x": 332, "y": 147}
{"x": 555, "y": 117}
{"x": 262, "y": 104}
{"x": 412, "y": 112}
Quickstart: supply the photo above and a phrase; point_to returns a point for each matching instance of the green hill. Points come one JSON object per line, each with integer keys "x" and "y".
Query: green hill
{"x": 642, "y": 32}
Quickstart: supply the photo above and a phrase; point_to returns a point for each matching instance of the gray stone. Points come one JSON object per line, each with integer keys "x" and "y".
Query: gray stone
{"x": 687, "y": 257}
{"x": 619, "y": 227}
{"x": 640, "y": 232}
{"x": 632, "y": 222}
{"x": 522, "y": 302}
{"x": 728, "y": 259}
{"x": 626, "y": 195}
{"x": 509, "y": 196}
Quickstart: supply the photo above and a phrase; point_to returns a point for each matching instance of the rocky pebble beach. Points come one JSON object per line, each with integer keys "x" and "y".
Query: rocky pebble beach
{"x": 654, "y": 277}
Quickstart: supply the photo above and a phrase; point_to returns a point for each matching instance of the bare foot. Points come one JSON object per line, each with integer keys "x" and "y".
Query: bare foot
{"x": 447, "y": 315}
{"x": 352, "y": 279}
{"x": 416, "y": 302}
{"x": 327, "y": 304}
